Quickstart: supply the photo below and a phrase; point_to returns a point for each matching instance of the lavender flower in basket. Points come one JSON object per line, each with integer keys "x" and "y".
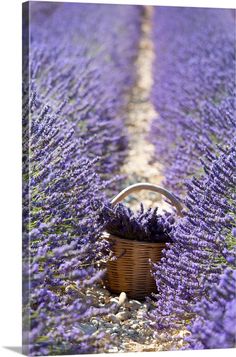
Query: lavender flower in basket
{"x": 143, "y": 225}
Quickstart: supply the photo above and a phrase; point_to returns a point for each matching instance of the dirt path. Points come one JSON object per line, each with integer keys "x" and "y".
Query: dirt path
{"x": 141, "y": 112}
{"x": 129, "y": 327}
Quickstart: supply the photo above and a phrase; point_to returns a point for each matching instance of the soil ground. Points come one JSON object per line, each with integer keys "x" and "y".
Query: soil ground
{"x": 127, "y": 325}
{"x": 140, "y": 114}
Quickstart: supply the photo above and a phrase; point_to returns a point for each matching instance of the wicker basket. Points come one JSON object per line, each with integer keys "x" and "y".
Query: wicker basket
{"x": 130, "y": 271}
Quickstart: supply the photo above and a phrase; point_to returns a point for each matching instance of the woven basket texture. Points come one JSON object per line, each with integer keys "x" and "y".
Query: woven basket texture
{"x": 130, "y": 272}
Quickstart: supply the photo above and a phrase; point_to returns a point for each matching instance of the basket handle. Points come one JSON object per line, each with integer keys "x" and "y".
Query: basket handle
{"x": 148, "y": 186}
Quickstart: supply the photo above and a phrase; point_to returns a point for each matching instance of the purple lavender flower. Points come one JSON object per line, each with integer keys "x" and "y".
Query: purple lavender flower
{"x": 194, "y": 88}
{"x": 148, "y": 226}
{"x": 90, "y": 69}
{"x": 194, "y": 94}
{"x": 75, "y": 81}
{"x": 214, "y": 326}
{"x": 59, "y": 226}
{"x": 203, "y": 243}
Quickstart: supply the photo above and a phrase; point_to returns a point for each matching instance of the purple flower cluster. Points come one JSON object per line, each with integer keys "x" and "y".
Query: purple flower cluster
{"x": 203, "y": 243}
{"x": 215, "y": 325}
{"x": 77, "y": 67}
{"x": 84, "y": 54}
{"x": 59, "y": 228}
{"x": 146, "y": 226}
{"x": 194, "y": 84}
{"x": 194, "y": 94}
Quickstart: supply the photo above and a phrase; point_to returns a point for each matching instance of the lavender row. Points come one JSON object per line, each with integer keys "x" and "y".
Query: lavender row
{"x": 84, "y": 54}
{"x": 193, "y": 90}
{"x": 61, "y": 246}
{"x": 72, "y": 131}
{"x": 194, "y": 95}
{"x": 203, "y": 244}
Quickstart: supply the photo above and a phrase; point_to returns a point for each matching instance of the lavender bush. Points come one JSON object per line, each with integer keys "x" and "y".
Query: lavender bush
{"x": 147, "y": 226}
{"x": 194, "y": 86}
{"x": 203, "y": 244}
{"x": 84, "y": 54}
{"x": 215, "y": 325}
{"x": 59, "y": 228}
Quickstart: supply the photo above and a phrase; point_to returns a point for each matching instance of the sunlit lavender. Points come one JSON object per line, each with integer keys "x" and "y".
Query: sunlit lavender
{"x": 202, "y": 243}
{"x": 72, "y": 126}
{"x": 214, "y": 326}
{"x": 90, "y": 68}
{"x": 59, "y": 229}
{"x": 79, "y": 78}
{"x": 194, "y": 87}
{"x": 194, "y": 94}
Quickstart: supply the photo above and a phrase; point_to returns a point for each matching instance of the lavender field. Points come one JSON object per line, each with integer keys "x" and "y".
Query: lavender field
{"x": 114, "y": 95}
